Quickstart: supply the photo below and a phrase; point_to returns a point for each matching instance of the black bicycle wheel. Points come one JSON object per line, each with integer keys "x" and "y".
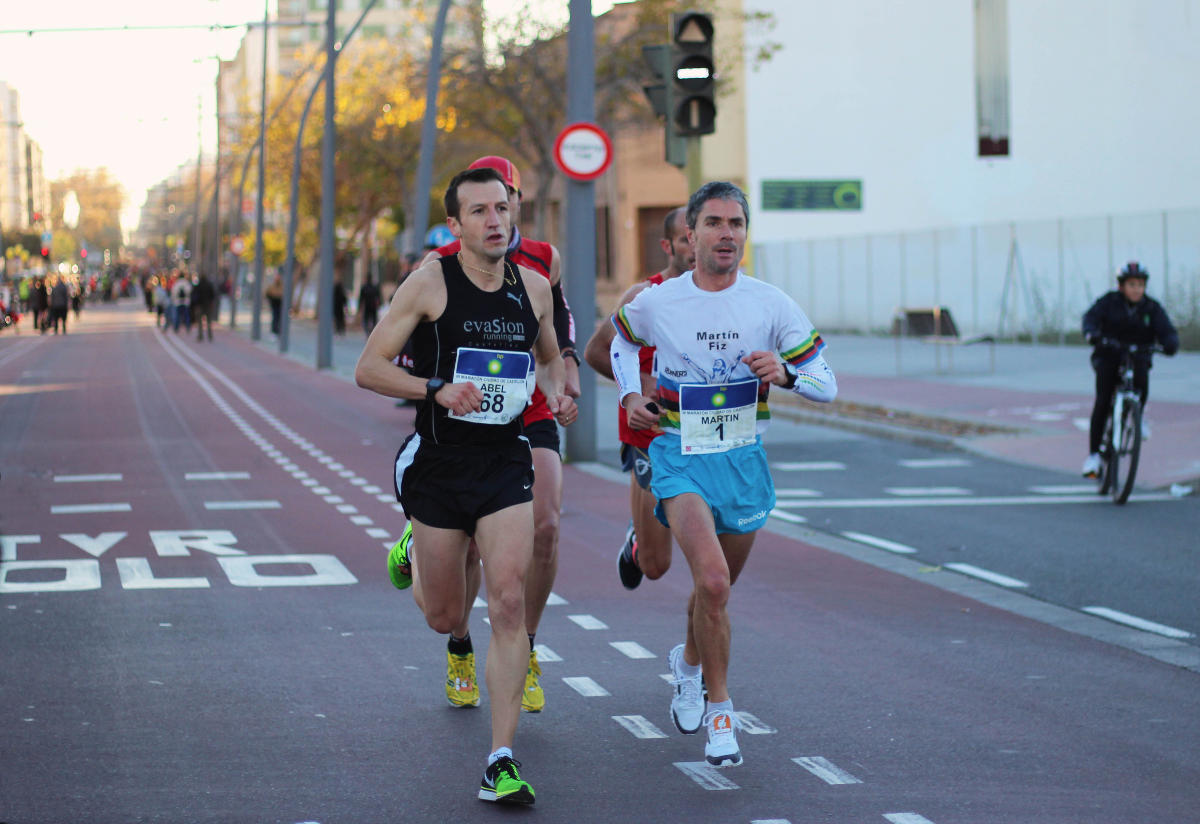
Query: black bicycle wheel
{"x": 1130, "y": 449}
{"x": 1107, "y": 465}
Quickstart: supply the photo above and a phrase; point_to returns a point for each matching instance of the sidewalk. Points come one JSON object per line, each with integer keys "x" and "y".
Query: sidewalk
{"x": 1032, "y": 407}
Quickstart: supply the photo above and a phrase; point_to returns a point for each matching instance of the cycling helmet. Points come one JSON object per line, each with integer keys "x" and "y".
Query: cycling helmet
{"x": 1132, "y": 270}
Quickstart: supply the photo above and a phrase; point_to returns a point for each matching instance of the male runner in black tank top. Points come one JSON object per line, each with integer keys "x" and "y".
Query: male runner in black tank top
{"x": 467, "y": 471}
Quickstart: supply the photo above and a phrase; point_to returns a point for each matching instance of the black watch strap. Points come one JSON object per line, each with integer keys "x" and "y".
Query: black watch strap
{"x": 432, "y": 387}
{"x": 791, "y": 375}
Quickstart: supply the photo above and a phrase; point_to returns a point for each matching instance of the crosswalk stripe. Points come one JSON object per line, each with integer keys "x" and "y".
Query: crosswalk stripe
{"x": 706, "y": 775}
{"x": 826, "y": 770}
{"x": 639, "y": 726}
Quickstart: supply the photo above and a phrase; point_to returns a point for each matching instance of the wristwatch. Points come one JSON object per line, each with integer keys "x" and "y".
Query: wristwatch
{"x": 431, "y": 388}
{"x": 570, "y": 352}
{"x": 791, "y": 375}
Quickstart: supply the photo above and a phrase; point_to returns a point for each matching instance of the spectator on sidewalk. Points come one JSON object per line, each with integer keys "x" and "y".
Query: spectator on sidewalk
{"x": 339, "y": 307}
{"x": 274, "y": 294}
{"x": 203, "y": 298}
{"x": 181, "y": 300}
{"x": 60, "y": 301}
{"x": 368, "y": 305}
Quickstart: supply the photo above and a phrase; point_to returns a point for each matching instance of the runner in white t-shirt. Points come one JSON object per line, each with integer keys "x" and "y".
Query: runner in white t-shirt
{"x": 722, "y": 339}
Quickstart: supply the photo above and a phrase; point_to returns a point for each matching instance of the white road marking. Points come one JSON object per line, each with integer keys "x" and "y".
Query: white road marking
{"x": 136, "y": 574}
{"x": 809, "y": 466}
{"x": 385, "y": 499}
{"x": 769, "y": 821}
{"x": 216, "y": 476}
{"x": 631, "y": 649}
{"x": 1065, "y": 489}
{"x": 706, "y": 775}
{"x": 479, "y": 602}
{"x": 545, "y": 654}
{"x": 347, "y": 509}
{"x": 798, "y": 493}
{"x": 1013, "y": 500}
{"x": 934, "y": 463}
{"x": 906, "y": 818}
{"x": 879, "y": 543}
{"x": 375, "y": 490}
{"x": 74, "y": 509}
{"x": 588, "y": 621}
{"x": 586, "y": 687}
{"x": 987, "y": 575}
{"x": 82, "y": 479}
{"x": 1138, "y": 623}
{"x": 925, "y": 491}
{"x": 639, "y": 726}
{"x": 789, "y": 517}
{"x": 826, "y": 770}
{"x": 333, "y": 499}
{"x": 361, "y": 520}
{"x": 242, "y": 505}
{"x": 750, "y": 724}
{"x": 1082, "y": 424}
{"x": 379, "y": 532}
{"x": 555, "y": 600}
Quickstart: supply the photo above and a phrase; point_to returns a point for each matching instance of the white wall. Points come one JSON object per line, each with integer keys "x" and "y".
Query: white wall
{"x": 1105, "y": 112}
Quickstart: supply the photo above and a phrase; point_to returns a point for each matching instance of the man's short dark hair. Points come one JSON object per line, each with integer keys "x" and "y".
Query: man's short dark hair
{"x": 669, "y": 221}
{"x": 480, "y": 175}
{"x": 716, "y": 190}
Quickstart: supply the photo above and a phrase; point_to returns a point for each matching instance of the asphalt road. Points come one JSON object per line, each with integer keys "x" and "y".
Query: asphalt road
{"x": 196, "y": 626}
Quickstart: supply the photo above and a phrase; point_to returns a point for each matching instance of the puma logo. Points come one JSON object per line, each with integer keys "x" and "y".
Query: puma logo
{"x": 516, "y": 298}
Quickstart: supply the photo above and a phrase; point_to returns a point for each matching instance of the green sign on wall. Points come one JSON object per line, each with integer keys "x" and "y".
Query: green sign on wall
{"x": 835, "y": 195}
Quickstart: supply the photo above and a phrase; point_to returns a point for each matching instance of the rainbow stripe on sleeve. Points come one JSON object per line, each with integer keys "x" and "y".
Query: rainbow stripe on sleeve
{"x": 806, "y": 351}
{"x": 621, "y": 321}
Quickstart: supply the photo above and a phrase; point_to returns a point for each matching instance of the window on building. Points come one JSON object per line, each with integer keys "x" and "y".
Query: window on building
{"x": 991, "y": 77}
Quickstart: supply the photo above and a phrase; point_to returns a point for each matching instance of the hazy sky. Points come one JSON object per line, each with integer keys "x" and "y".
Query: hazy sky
{"x": 130, "y": 100}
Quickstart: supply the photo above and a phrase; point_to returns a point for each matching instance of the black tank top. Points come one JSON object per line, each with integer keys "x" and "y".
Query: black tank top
{"x": 501, "y": 320}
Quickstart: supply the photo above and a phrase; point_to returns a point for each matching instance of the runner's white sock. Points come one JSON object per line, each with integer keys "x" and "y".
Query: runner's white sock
{"x": 498, "y": 754}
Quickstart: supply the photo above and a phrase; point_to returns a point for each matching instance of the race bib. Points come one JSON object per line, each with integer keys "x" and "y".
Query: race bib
{"x": 717, "y": 417}
{"x": 502, "y": 377}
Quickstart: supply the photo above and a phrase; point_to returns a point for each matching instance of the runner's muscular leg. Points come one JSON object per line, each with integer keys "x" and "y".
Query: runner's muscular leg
{"x": 715, "y": 564}
{"x": 653, "y": 539}
{"x": 505, "y": 544}
{"x": 547, "y": 504}
{"x": 439, "y": 580}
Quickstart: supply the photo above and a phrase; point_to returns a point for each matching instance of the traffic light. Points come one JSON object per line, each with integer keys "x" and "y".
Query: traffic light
{"x": 661, "y": 97}
{"x": 45, "y": 253}
{"x": 693, "y": 108}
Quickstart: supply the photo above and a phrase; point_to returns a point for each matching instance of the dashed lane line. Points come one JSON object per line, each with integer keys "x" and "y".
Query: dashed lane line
{"x": 588, "y": 621}
{"x": 639, "y": 726}
{"x": 545, "y": 654}
{"x": 706, "y": 775}
{"x": 78, "y": 509}
{"x": 216, "y": 476}
{"x": 809, "y": 466}
{"x": 234, "y": 505}
{"x": 906, "y": 818}
{"x": 926, "y": 491}
{"x": 934, "y": 463}
{"x": 987, "y": 575}
{"x": 787, "y": 516}
{"x": 1064, "y": 489}
{"x": 1138, "y": 623}
{"x": 586, "y": 687}
{"x": 879, "y": 543}
{"x": 83, "y": 479}
{"x": 631, "y": 649}
{"x": 826, "y": 770}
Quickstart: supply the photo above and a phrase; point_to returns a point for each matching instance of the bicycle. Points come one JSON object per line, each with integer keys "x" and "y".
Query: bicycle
{"x": 1122, "y": 441}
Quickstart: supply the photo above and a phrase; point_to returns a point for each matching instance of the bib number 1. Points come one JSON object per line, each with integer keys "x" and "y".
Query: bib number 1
{"x": 717, "y": 417}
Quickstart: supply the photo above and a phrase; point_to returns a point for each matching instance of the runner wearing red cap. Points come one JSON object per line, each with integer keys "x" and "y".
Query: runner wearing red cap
{"x": 542, "y": 433}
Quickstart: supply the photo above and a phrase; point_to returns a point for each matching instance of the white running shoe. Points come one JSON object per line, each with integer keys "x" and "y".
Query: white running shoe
{"x": 722, "y": 747}
{"x": 1091, "y": 467}
{"x": 687, "y": 702}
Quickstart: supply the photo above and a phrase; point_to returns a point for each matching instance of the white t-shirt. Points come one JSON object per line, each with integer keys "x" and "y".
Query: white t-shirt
{"x": 701, "y": 337}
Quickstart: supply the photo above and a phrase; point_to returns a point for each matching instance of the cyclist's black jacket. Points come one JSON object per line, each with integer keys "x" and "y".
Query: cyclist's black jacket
{"x": 1143, "y": 323}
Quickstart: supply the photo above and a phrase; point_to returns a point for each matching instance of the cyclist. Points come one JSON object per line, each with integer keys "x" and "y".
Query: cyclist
{"x": 1127, "y": 316}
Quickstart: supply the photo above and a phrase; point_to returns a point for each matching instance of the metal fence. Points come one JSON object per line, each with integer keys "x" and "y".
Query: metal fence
{"x": 1009, "y": 280}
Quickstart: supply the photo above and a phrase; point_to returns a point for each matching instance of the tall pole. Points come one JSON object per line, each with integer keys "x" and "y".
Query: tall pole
{"x": 216, "y": 249}
{"x": 428, "y": 132}
{"x": 581, "y": 220}
{"x": 195, "y": 256}
{"x": 256, "y": 318}
{"x": 328, "y": 182}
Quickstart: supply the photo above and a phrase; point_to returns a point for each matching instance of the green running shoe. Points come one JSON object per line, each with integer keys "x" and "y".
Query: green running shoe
{"x": 399, "y": 567}
{"x": 502, "y": 782}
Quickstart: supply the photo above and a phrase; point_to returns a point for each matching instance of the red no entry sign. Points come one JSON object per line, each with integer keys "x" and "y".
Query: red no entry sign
{"x": 583, "y": 151}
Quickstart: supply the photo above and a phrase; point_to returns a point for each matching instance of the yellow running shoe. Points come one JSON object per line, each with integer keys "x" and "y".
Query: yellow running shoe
{"x": 533, "y": 699}
{"x": 462, "y": 690}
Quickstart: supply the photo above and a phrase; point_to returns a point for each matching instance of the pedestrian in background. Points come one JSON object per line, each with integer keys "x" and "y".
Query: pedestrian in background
{"x": 339, "y": 307}
{"x": 60, "y": 301}
{"x": 368, "y": 305}
{"x": 181, "y": 301}
{"x": 203, "y": 298}
{"x": 274, "y": 293}
{"x": 39, "y": 304}
{"x": 162, "y": 302}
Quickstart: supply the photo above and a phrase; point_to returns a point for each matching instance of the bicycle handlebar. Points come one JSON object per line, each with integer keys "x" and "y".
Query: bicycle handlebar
{"x": 1132, "y": 348}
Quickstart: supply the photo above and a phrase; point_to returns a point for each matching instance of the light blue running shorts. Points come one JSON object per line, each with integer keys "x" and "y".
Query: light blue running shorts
{"x": 736, "y": 485}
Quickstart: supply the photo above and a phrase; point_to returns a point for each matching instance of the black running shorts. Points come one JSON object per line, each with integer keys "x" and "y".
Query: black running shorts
{"x": 452, "y": 487}
{"x": 542, "y": 435}
{"x": 636, "y": 461}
